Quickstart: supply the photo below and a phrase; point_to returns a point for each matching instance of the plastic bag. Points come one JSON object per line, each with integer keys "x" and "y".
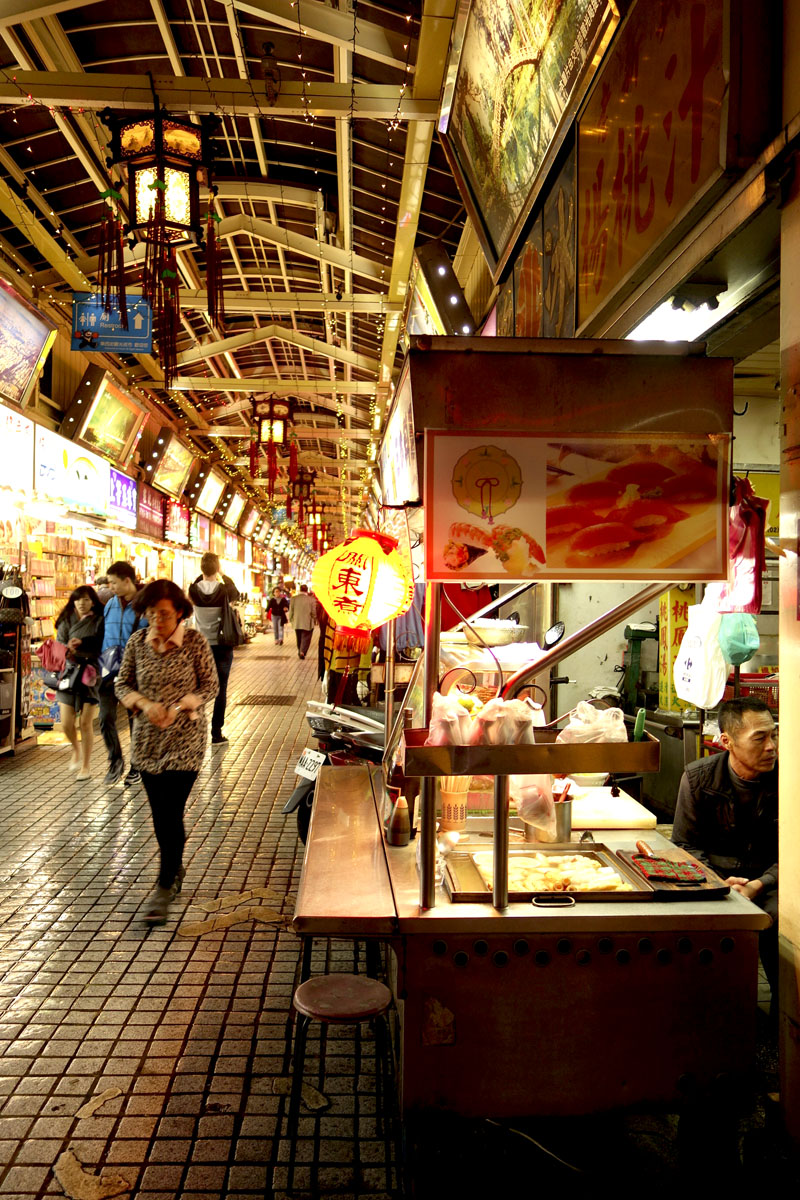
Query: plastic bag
{"x": 738, "y": 637}
{"x": 700, "y": 671}
{"x": 747, "y": 551}
{"x": 490, "y": 725}
{"x": 519, "y": 722}
{"x": 450, "y": 722}
{"x": 590, "y": 724}
{"x": 534, "y": 799}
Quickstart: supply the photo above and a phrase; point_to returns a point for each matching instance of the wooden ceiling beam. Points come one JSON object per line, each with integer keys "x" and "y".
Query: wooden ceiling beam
{"x": 335, "y": 27}
{"x": 368, "y": 101}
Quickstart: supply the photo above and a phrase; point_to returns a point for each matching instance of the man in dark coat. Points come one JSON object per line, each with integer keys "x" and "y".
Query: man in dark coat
{"x": 727, "y": 814}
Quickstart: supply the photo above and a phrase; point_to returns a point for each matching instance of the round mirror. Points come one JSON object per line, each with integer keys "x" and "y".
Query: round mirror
{"x": 554, "y": 634}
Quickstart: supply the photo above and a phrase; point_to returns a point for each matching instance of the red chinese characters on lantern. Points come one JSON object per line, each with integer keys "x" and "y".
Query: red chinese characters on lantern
{"x": 348, "y": 585}
{"x": 656, "y": 106}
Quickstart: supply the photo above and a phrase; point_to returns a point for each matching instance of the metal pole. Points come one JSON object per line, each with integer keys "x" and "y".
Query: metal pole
{"x": 427, "y": 800}
{"x": 583, "y": 637}
{"x": 500, "y": 855}
{"x": 388, "y": 683}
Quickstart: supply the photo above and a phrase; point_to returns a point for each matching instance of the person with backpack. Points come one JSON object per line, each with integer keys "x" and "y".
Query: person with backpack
{"x": 120, "y": 622}
{"x": 209, "y": 594}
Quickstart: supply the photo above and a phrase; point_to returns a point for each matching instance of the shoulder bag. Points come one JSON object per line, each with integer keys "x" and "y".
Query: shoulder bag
{"x": 230, "y": 626}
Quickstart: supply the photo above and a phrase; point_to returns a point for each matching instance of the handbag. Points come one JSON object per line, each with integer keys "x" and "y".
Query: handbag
{"x": 230, "y": 626}
{"x": 53, "y": 656}
{"x": 111, "y": 658}
{"x": 70, "y": 676}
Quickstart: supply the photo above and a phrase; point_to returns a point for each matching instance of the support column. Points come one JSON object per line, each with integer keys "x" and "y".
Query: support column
{"x": 789, "y": 893}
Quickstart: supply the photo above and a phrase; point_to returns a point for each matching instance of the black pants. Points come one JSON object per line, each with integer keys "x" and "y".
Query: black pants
{"x": 168, "y": 793}
{"x": 303, "y": 640}
{"x": 223, "y": 657}
{"x": 108, "y": 722}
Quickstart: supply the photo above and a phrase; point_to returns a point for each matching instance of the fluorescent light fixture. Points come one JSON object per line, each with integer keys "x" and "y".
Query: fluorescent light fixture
{"x": 668, "y": 324}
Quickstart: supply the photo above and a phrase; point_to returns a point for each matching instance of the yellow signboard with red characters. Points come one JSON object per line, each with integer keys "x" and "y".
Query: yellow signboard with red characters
{"x": 673, "y": 621}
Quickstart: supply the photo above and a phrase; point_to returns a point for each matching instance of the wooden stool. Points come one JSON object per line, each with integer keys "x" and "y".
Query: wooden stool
{"x": 337, "y": 999}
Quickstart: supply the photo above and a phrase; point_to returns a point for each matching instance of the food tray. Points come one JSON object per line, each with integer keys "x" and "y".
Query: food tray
{"x": 464, "y": 883}
{"x": 547, "y": 757}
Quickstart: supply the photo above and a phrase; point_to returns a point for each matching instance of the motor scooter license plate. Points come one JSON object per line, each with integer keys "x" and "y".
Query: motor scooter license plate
{"x": 309, "y": 763}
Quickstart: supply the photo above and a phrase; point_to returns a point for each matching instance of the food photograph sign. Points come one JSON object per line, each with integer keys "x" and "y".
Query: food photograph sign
{"x": 513, "y": 506}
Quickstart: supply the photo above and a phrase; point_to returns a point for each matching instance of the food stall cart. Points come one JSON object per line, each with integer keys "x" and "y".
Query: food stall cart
{"x": 514, "y": 1000}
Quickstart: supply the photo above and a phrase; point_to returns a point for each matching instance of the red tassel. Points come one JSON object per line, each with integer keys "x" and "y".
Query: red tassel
{"x": 160, "y": 287}
{"x": 300, "y": 511}
{"x": 112, "y": 267}
{"x": 288, "y": 506}
{"x": 293, "y": 458}
{"x": 253, "y": 453}
{"x": 214, "y": 287}
{"x": 272, "y": 467}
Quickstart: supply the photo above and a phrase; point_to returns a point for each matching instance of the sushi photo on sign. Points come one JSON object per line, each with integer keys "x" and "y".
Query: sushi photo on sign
{"x": 623, "y": 507}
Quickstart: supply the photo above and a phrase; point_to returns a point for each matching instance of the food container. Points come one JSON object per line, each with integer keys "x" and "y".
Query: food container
{"x": 493, "y": 633}
{"x": 465, "y": 884}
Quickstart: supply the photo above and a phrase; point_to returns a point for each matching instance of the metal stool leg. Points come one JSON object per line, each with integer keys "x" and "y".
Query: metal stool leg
{"x": 293, "y": 1123}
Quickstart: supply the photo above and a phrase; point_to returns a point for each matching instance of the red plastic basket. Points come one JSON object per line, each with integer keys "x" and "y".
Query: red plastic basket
{"x": 763, "y": 687}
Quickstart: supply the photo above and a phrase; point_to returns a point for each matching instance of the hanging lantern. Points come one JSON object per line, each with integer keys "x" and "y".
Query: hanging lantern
{"x": 273, "y": 416}
{"x": 166, "y": 158}
{"x": 272, "y": 419}
{"x": 361, "y": 585}
{"x": 300, "y": 490}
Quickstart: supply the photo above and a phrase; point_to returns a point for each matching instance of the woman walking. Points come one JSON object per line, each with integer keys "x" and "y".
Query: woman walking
{"x": 79, "y": 626}
{"x": 278, "y": 610}
{"x": 166, "y": 678}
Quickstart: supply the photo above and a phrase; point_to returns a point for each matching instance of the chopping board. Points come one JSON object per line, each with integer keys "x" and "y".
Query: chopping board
{"x": 712, "y": 889}
{"x": 596, "y": 808}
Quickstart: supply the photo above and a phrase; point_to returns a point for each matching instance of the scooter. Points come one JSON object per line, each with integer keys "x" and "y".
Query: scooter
{"x": 343, "y": 734}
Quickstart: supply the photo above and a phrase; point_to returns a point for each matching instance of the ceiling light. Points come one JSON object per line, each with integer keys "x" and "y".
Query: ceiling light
{"x": 669, "y": 324}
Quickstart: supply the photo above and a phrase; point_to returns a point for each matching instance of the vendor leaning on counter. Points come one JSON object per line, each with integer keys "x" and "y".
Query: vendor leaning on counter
{"x": 727, "y": 814}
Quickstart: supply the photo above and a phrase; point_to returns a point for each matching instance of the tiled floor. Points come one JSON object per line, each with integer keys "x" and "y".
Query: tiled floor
{"x": 190, "y": 1030}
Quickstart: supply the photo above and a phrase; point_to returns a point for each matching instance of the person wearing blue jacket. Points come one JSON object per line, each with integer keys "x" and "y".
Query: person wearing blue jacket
{"x": 120, "y": 622}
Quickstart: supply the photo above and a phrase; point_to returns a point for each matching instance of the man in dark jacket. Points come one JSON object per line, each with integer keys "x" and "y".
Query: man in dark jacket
{"x": 120, "y": 622}
{"x": 727, "y": 813}
{"x": 209, "y": 593}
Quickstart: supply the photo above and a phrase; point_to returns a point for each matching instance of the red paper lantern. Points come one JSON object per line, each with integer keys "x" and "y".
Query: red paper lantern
{"x": 361, "y": 584}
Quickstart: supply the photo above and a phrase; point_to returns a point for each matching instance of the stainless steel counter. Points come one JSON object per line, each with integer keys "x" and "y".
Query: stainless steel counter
{"x": 529, "y": 1011}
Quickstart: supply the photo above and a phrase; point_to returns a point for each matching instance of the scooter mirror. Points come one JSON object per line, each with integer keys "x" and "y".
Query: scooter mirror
{"x": 554, "y": 634}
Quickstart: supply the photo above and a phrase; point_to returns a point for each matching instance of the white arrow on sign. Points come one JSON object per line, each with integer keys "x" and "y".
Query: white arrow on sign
{"x": 138, "y": 321}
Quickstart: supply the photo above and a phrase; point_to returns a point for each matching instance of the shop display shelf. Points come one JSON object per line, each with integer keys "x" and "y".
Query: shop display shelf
{"x": 547, "y": 757}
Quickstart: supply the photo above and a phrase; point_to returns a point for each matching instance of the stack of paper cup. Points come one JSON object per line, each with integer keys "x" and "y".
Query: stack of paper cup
{"x": 455, "y": 796}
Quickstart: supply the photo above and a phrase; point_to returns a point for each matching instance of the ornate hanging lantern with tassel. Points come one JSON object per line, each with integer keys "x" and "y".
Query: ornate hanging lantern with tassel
{"x": 166, "y": 158}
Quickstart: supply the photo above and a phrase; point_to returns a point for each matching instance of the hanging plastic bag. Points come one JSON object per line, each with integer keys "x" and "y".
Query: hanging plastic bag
{"x": 738, "y": 637}
{"x": 700, "y": 671}
{"x": 534, "y": 799}
{"x": 590, "y": 724}
{"x": 746, "y": 550}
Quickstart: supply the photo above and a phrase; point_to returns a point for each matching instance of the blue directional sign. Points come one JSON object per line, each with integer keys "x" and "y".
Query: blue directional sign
{"x": 95, "y": 329}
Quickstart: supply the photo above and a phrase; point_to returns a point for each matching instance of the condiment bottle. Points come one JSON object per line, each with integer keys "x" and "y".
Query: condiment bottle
{"x": 398, "y": 831}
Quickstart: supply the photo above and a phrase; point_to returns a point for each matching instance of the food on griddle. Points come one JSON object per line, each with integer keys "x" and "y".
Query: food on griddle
{"x": 553, "y": 873}
{"x": 608, "y": 542}
{"x": 566, "y": 519}
{"x": 516, "y": 549}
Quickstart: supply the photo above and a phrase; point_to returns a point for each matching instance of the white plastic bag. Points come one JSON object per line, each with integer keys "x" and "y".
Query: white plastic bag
{"x": 534, "y": 799}
{"x": 590, "y": 724}
{"x": 700, "y": 670}
{"x": 450, "y": 722}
